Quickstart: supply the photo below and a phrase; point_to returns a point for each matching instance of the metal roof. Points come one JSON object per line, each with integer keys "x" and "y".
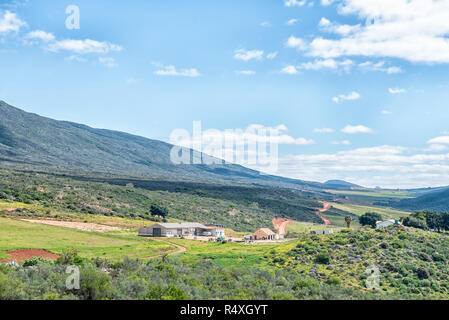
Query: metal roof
{"x": 183, "y": 225}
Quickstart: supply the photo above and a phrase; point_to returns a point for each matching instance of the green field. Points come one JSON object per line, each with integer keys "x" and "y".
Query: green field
{"x": 305, "y": 227}
{"x": 16, "y": 234}
{"x": 386, "y": 213}
{"x": 228, "y": 254}
{"x": 374, "y": 193}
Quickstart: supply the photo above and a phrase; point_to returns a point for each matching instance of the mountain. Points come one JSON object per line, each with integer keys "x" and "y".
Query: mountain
{"x": 435, "y": 201}
{"x": 340, "y": 183}
{"x": 32, "y": 142}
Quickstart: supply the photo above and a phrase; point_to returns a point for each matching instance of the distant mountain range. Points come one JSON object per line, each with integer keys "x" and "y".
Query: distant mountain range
{"x": 435, "y": 200}
{"x": 32, "y": 142}
{"x": 341, "y": 183}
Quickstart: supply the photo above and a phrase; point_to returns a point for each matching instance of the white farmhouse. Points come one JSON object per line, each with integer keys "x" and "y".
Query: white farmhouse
{"x": 181, "y": 229}
{"x": 386, "y": 223}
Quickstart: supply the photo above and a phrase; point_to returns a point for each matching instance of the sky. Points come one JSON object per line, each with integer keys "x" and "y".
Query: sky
{"x": 356, "y": 89}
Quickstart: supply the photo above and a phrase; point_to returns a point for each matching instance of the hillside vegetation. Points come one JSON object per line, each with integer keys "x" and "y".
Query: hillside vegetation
{"x": 410, "y": 261}
{"x": 437, "y": 200}
{"x": 239, "y": 208}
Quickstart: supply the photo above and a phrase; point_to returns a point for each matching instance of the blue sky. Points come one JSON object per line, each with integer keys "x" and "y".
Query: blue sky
{"x": 360, "y": 86}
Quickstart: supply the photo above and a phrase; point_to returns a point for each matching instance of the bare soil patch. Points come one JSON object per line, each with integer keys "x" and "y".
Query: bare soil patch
{"x": 91, "y": 227}
{"x": 326, "y": 206}
{"x": 25, "y": 254}
{"x": 280, "y": 224}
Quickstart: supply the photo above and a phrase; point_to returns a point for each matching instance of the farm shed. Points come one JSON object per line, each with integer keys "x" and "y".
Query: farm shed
{"x": 181, "y": 229}
{"x": 264, "y": 234}
{"x": 386, "y": 223}
{"x": 327, "y": 231}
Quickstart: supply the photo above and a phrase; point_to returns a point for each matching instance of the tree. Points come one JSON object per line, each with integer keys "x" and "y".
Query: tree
{"x": 434, "y": 220}
{"x": 348, "y": 221}
{"x": 370, "y": 219}
{"x": 158, "y": 211}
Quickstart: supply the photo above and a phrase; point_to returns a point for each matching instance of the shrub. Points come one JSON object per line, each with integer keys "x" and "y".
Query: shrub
{"x": 323, "y": 258}
{"x": 333, "y": 281}
{"x": 370, "y": 219}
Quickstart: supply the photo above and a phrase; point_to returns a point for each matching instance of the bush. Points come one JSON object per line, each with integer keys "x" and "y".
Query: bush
{"x": 323, "y": 258}
{"x": 33, "y": 261}
{"x": 333, "y": 281}
{"x": 370, "y": 219}
{"x": 70, "y": 257}
{"x": 95, "y": 284}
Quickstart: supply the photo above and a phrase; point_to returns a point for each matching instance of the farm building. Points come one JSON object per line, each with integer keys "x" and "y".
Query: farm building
{"x": 181, "y": 229}
{"x": 386, "y": 223}
{"x": 264, "y": 234}
{"x": 327, "y": 231}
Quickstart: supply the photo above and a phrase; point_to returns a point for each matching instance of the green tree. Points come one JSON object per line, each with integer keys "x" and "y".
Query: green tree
{"x": 348, "y": 221}
{"x": 370, "y": 219}
{"x": 158, "y": 211}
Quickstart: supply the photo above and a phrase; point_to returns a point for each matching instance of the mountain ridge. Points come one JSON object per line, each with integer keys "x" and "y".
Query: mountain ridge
{"x": 29, "y": 141}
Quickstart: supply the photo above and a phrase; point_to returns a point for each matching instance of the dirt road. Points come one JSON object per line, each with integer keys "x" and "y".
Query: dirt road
{"x": 326, "y": 206}
{"x": 92, "y": 227}
{"x": 280, "y": 224}
{"x": 180, "y": 248}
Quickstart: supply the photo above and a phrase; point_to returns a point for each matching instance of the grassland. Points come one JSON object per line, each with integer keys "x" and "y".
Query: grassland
{"x": 226, "y": 254}
{"x": 381, "y": 193}
{"x": 386, "y": 213}
{"x": 305, "y": 227}
{"x": 15, "y": 234}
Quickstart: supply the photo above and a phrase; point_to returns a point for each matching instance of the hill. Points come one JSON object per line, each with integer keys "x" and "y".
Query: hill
{"x": 241, "y": 208}
{"x": 408, "y": 261}
{"x": 435, "y": 201}
{"x": 31, "y": 142}
{"x": 340, "y": 183}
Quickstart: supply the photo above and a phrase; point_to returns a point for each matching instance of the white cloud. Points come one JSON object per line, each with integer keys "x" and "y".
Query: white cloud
{"x": 436, "y": 148}
{"x": 323, "y": 130}
{"x": 245, "y": 72}
{"x": 396, "y": 91}
{"x": 341, "y": 29}
{"x": 386, "y": 112}
{"x": 386, "y": 166}
{"x": 250, "y": 134}
{"x": 172, "y": 71}
{"x": 76, "y": 58}
{"x": 83, "y": 46}
{"x": 272, "y": 55}
{"x": 344, "y": 142}
{"x": 10, "y": 22}
{"x": 439, "y": 140}
{"x": 265, "y": 24}
{"x": 295, "y": 3}
{"x": 40, "y": 35}
{"x": 289, "y": 70}
{"x": 108, "y": 62}
{"x": 346, "y": 97}
{"x": 356, "y": 129}
{"x": 292, "y": 22}
{"x": 414, "y": 30}
{"x": 297, "y": 43}
{"x": 327, "y": 2}
{"x": 380, "y": 66}
{"x": 327, "y": 64}
{"x": 247, "y": 55}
